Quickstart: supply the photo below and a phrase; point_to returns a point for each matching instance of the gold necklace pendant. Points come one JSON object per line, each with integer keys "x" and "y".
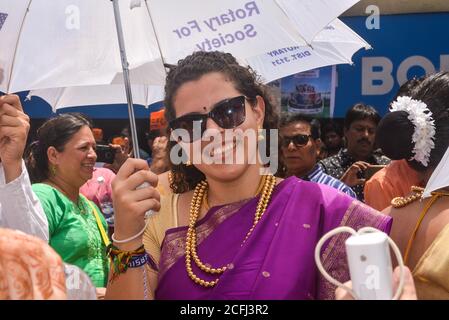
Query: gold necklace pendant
{"x": 200, "y": 193}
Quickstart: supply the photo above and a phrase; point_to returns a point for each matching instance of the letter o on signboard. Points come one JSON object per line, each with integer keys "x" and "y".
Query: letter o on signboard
{"x": 414, "y": 61}
{"x": 240, "y": 13}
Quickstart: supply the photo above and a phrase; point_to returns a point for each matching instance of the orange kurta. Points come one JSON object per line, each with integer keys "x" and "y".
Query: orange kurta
{"x": 395, "y": 180}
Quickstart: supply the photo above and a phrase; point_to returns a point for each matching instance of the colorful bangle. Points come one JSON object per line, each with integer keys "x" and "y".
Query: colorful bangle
{"x": 139, "y": 261}
{"x": 120, "y": 259}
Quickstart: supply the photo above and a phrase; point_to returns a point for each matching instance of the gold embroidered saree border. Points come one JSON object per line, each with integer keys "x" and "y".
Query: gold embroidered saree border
{"x": 173, "y": 246}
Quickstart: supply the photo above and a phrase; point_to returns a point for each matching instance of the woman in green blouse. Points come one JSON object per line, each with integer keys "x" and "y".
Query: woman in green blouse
{"x": 59, "y": 163}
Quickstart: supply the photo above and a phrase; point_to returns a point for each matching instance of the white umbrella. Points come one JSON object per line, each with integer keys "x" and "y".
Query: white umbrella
{"x": 311, "y": 16}
{"x": 59, "y": 98}
{"x": 439, "y": 178}
{"x": 244, "y": 28}
{"x": 66, "y": 43}
{"x": 335, "y": 44}
{"x": 63, "y": 43}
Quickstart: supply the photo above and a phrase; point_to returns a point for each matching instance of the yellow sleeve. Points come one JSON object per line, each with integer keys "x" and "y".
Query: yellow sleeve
{"x": 154, "y": 234}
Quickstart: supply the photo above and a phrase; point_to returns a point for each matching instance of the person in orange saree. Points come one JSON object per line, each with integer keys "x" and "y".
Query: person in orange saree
{"x": 417, "y": 129}
{"x": 30, "y": 268}
{"x": 225, "y": 230}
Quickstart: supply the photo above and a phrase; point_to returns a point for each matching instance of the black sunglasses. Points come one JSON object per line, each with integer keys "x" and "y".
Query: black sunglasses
{"x": 227, "y": 114}
{"x": 299, "y": 140}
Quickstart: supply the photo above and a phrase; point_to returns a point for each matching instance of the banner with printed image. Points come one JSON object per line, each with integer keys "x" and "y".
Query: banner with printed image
{"x": 311, "y": 92}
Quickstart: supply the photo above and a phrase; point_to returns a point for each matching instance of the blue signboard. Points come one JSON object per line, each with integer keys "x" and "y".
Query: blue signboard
{"x": 404, "y": 46}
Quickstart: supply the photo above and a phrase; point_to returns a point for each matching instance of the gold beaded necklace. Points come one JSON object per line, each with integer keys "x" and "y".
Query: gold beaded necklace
{"x": 199, "y": 195}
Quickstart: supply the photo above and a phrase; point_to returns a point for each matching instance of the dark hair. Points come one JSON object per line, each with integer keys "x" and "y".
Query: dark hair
{"x": 395, "y": 131}
{"x": 315, "y": 126}
{"x": 55, "y": 132}
{"x": 192, "y": 68}
{"x": 153, "y": 134}
{"x": 408, "y": 87}
{"x": 361, "y": 111}
{"x": 332, "y": 126}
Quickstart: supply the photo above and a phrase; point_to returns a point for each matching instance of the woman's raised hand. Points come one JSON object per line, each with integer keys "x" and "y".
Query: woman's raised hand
{"x": 130, "y": 202}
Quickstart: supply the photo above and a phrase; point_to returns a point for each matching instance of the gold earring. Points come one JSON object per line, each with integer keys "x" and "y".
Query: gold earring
{"x": 260, "y": 137}
{"x": 53, "y": 169}
{"x": 188, "y": 163}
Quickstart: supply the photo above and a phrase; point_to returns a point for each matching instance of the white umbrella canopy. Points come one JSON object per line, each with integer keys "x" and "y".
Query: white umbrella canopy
{"x": 311, "y": 16}
{"x": 335, "y": 44}
{"x": 243, "y": 28}
{"x": 69, "y": 43}
{"x": 59, "y": 98}
{"x": 64, "y": 43}
{"x": 439, "y": 178}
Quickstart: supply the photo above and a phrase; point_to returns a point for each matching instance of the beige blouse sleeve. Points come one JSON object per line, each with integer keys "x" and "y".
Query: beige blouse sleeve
{"x": 154, "y": 234}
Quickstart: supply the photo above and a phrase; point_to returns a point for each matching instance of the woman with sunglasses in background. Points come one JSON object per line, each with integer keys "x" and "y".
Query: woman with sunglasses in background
{"x": 227, "y": 231}
{"x": 300, "y": 146}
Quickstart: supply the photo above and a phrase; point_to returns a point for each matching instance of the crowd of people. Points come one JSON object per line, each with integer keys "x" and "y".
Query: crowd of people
{"x": 156, "y": 228}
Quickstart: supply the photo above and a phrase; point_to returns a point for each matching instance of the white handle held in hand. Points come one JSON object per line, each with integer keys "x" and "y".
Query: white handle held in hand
{"x": 369, "y": 264}
{"x": 149, "y": 213}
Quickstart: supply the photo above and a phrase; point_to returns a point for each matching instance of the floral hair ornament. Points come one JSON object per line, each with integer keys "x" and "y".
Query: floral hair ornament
{"x": 424, "y": 133}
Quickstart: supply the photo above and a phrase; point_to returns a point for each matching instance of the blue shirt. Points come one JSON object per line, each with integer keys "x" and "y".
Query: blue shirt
{"x": 318, "y": 176}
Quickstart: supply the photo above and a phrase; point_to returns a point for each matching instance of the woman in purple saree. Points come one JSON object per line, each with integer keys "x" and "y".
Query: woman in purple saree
{"x": 217, "y": 235}
{"x": 277, "y": 260}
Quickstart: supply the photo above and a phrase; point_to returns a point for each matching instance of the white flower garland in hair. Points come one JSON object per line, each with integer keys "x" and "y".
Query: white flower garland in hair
{"x": 424, "y": 134}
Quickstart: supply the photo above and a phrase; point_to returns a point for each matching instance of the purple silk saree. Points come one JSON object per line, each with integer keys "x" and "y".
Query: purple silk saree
{"x": 277, "y": 260}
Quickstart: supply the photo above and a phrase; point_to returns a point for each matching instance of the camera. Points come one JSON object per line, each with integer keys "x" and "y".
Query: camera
{"x": 105, "y": 153}
{"x": 372, "y": 170}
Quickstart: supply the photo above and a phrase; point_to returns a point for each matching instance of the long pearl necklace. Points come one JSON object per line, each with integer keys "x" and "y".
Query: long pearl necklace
{"x": 199, "y": 194}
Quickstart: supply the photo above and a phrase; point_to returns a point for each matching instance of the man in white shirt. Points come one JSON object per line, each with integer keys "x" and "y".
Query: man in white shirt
{"x": 19, "y": 207}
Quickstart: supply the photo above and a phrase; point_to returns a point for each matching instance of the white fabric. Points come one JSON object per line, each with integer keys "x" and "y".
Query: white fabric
{"x": 243, "y": 28}
{"x": 440, "y": 176}
{"x": 67, "y": 43}
{"x": 301, "y": 13}
{"x": 98, "y": 95}
{"x": 20, "y": 208}
{"x": 71, "y": 43}
{"x": 204, "y": 25}
{"x": 335, "y": 44}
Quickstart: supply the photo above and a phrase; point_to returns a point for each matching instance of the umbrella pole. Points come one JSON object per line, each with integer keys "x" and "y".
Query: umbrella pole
{"x": 129, "y": 95}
